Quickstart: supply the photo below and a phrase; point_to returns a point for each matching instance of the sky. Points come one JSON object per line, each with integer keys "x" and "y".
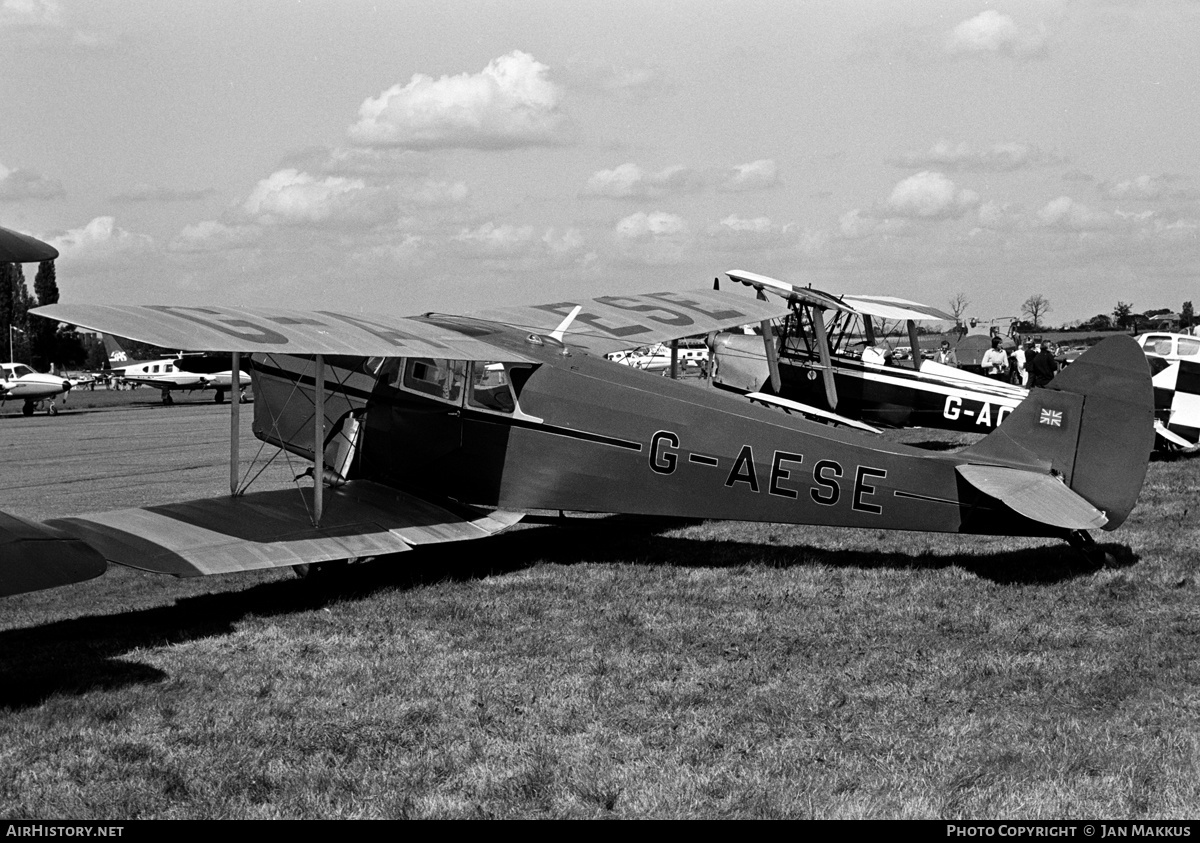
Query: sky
{"x": 402, "y": 157}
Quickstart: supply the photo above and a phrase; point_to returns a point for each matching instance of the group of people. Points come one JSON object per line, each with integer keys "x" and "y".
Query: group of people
{"x": 1032, "y": 364}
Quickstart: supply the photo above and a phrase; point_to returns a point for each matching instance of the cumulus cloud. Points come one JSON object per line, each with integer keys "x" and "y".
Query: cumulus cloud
{"x": 1066, "y": 214}
{"x": 290, "y": 197}
{"x": 629, "y": 181}
{"x": 992, "y": 32}
{"x": 23, "y": 184}
{"x": 30, "y": 13}
{"x": 856, "y": 225}
{"x": 756, "y": 175}
{"x": 643, "y": 226}
{"x": 1143, "y": 187}
{"x": 143, "y": 192}
{"x": 734, "y": 232}
{"x": 511, "y": 103}
{"x": 929, "y": 195}
{"x": 1000, "y": 157}
{"x": 525, "y": 244}
{"x": 99, "y": 241}
{"x": 656, "y": 239}
{"x": 214, "y": 236}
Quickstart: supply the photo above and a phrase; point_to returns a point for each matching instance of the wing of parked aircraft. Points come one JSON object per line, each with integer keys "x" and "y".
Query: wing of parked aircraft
{"x": 16, "y": 247}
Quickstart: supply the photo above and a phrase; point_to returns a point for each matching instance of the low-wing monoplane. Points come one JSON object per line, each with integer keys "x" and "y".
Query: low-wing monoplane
{"x": 181, "y": 373}
{"x": 441, "y": 428}
{"x": 19, "y": 382}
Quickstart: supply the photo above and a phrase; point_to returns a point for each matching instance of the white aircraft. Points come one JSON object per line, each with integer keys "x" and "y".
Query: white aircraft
{"x": 18, "y": 382}
{"x": 168, "y": 374}
{"x": 690, "y": 351}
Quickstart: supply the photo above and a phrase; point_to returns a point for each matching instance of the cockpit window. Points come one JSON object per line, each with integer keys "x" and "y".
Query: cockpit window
{"x": 491, "y": 388}
{"x": 1157, "y": 345}
{"x": 442, "y": 379}
{"x": 21, "y": 371}
{"x": 1189, "y": 348}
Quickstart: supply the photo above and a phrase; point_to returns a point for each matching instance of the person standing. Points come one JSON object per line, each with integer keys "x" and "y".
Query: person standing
{"x": 995, "y": 361}
{"x": 1043, "y": 367}
{"x": 946, "y": 355}
{"x": 1022, "y": 356}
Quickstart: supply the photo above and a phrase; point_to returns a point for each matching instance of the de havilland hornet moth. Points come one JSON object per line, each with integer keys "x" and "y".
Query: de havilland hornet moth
{"x": 441, "y": 428}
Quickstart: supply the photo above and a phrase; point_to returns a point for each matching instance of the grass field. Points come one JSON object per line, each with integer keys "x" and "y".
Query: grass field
{"x": 616, "y": 668}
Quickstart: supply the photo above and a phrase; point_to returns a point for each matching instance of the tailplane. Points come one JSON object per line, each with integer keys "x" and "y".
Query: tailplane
{"x": 1092, "y": 428}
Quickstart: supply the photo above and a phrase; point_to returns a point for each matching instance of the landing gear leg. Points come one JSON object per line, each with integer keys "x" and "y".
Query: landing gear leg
{"x": 166, "y": 397}
{"x": 219, "y": 398}
{"x": 1085, "y": 545}
{"x": 52, "y": 410}
{"x": 27, "y": 409}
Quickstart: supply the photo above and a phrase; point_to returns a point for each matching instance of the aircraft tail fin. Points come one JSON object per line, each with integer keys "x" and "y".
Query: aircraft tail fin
{"x": 116, "y": 354}
{"x": 1092, "y": 428}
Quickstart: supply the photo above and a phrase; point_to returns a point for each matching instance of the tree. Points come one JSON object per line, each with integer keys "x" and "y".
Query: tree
{"x": 1035, "y": 307}
{"x": 958, "y": 306}
{"x": 1186, "y": 316}
{"x": 1123, "y": 314}
{"x": 43, "y": 334}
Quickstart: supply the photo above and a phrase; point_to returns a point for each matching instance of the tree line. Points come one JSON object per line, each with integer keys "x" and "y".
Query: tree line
{"x": 39, "y": 342}
{"x": 1037, "y": 306}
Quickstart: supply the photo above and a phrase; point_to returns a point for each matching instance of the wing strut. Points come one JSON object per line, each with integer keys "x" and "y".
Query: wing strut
{"x": 817, "y": 316}
{"x": 772, "y": 351}
{"x": 235, "y": 422}
{"x": 319, "y": 442}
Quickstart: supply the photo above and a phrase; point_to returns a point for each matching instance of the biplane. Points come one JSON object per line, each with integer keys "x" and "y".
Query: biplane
{"x": 439, "y": 428}
{"x": 808, "y": 364}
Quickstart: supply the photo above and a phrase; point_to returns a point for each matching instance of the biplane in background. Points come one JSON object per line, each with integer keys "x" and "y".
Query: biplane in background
{"x": 813, "y": 359}
{"x": 829, "y": 353}
{"x": 442, "y": 428}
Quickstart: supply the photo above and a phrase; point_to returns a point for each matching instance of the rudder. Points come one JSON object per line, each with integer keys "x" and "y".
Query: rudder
{"x": 1092, "y": 426}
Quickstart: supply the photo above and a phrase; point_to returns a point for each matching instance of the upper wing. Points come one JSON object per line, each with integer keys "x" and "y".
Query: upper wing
{"x": 272, "y": 330}
{"x": 890, "y": 307}
{"x": 885, "y": 307}
{"x": 611, "y": 323}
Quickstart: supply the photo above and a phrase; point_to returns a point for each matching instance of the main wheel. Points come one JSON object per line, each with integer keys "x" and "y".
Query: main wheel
{"x": 219, "y": 398}
{"x": 27, "y": 410}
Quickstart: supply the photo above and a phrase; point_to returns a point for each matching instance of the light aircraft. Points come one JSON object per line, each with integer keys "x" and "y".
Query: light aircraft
{"x": 809, "y": 363}
{"x": 18, "y": 382}
{"x": 690, "y": 352}
{"x": 183, "y": 372}
{"x": 442, "y": 428}
{"x": 812, "y": 369}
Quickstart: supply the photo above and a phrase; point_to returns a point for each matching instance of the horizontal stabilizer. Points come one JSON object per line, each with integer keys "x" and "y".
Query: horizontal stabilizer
{"x": 1172, "y": 438}
{"x": 810, "y": 411}
{"x": 274, "y": 529}
{"x": 1039, "y": 497}
{"x": 34, "y": 556}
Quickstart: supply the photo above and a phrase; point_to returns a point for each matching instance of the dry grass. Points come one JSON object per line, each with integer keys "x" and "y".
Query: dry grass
{"x": 626, "y": 670}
